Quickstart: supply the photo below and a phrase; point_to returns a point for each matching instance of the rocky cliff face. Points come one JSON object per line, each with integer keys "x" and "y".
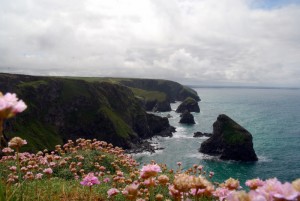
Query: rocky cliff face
{"x": 173, "y": 90}
{"x": 230, "y": 141}
{"x": 163, "y": 92}
{"x": 60, "y": 109}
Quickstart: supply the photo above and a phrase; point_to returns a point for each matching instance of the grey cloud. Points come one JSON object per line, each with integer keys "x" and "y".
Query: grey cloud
{"x": 201, "y": 41}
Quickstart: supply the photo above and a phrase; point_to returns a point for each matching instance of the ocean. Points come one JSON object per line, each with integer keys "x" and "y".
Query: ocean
{"x": 272, "y": 116}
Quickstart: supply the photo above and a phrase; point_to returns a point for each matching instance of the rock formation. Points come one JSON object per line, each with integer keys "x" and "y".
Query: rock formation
{"x": 230, "y": 141}
{"x": 188, "y": 104}
{"x": 200, "y": 134}
{"x": 187, "y": 118}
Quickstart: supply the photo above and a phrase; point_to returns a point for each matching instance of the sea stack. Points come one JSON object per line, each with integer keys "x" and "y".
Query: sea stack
{"x": 189, "y": 104}
{"x": 187, "y": 118}
{"x": 230, "y": 141}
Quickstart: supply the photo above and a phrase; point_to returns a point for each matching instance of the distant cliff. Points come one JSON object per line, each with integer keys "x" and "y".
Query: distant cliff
{"x": 63, "y": 108}
{"x": 154, "y": 94}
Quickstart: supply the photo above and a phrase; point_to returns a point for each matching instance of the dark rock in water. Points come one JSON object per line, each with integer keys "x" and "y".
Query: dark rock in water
{"x": 200, "y": 134}
{"x": 159, "y": 126}
{"x": 188, "y": 104}
{"x": 163, "y": 106}
{"x": 169, "y": 116}
{"x": 187, "y": 118}
{"x": 230, "y": 141}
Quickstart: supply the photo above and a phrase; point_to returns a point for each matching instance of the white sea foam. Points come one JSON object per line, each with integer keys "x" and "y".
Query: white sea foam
{"x": 263, "y": 159}
{"x": 202, "y": 156}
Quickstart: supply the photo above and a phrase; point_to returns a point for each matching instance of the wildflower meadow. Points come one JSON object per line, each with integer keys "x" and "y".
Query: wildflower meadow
{"x": 87, "y": 169}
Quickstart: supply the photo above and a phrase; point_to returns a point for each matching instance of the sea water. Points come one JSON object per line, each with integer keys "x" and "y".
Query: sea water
{"x": 272, "y": 116}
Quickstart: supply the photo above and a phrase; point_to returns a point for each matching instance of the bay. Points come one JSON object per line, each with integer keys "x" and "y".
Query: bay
{"x": 272, "y": 116}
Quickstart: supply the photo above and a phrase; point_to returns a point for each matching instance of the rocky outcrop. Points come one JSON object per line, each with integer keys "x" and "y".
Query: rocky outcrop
{"x": 200, "y": 134}
{"x": 189, "y": 104}
{"x": 187, "y": 118}
{"x": 163, "y": 106}
{"x": 230, "y": 141}
{"x": 60, "y": 109}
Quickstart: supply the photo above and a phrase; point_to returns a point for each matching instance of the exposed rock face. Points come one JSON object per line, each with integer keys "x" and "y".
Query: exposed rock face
{"x": 230, "y": 141}
{"x": 187, "y": 118}
{"x": 188, "y": 104}
{"x": 60, "y": 109}
{"x": 200, "y": 134}
{"x": 162, "y": 107}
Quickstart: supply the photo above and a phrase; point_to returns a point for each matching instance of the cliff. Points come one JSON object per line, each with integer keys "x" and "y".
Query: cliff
{"x": 61, "y": 108}
{"x": 230, "y": 141}
{"x": 154, "y": 94}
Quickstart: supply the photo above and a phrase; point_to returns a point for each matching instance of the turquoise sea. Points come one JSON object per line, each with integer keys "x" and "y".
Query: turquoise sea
{"x": 272, "y": 116}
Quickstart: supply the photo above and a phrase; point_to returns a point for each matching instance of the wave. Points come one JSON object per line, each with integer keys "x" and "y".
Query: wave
{"x": 263, "y": 159}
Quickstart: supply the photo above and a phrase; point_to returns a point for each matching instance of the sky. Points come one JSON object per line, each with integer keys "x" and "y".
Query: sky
{"x": 206, "y": 42}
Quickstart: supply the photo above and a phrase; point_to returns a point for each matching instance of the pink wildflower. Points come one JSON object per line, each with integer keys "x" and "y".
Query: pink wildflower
{"x": 221, "y": 193}
{"x": 179, "y": 163}
{"x": 48, "y": 171}
{"x": 197, "y": 192}
{"x": 254, "y": 183}
{"x": 16, "y": 142}
{"x": 112, "y": 192}
{"x": 275, "y": 189}
{"x": 10, "y": 105}
{"x": 150, "y": 170}
{"x": 287, "y": 192}
{"x": 13, "y": 168}
{"x": 38, "y": 176}
{"x": 90, "y": 180}
{"x": 7, "y": 150}
{"x": 106, "y": 180}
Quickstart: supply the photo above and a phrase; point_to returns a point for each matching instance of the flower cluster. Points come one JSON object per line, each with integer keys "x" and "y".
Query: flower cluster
{"x": 152, "y": 182}
{"x": 10, "y": 105}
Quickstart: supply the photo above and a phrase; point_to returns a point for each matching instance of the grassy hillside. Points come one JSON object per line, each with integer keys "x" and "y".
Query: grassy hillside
{"x": 63, "y": 108}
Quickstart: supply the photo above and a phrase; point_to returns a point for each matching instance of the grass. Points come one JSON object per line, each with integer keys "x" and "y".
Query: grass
{"x": 39, "y": 136}
{"x": 149, "y": 95}
{"x": 122, "y": 129}
{"x": 114, "y": 169}
{"x": 233, "y": 133}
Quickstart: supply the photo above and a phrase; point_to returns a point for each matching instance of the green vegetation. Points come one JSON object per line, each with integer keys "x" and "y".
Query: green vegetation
{"x": 149, "y": 95}
{"x": 33, "y": 84}
{"x": 233, "y": 133}
{"x": 71, "y": 89}
{"x": 39, "y": 136}
{"x": 122, "y": 129}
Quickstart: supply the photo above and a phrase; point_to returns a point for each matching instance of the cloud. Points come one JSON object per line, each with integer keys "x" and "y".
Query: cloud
{"x": 207, "y": 41}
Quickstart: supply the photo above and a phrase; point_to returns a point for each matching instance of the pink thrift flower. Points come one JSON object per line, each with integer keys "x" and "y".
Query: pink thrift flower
{"x": 38, "y": 176}
{"x": 7, "y": 150}
{"x": 197, "y": 192}
{"x": 10, "y": 105}
{"x": 90, "y": 180}
{"x": 221, "y": 193}
{"x": 254, "y": 183}
{"x": 255, "y": 196}
{"x": 16, "y": 142}
{"x": 13, "y": 168}
{"x": 112, "y": 192}
{"x": 48, "y": 171}
{"x": 150, "y": 170}
{"x": 179, "y": 163}
{"x": 287, "y": 192}
{"x": 106, "y": 180}
{"x": 19, "y": 107}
